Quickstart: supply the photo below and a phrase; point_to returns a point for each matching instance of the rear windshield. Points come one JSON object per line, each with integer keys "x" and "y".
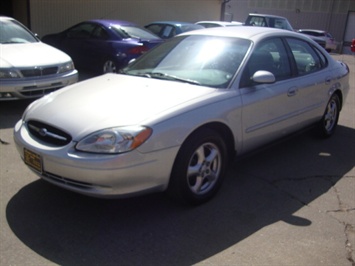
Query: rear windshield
{"x": 134, "y": 32}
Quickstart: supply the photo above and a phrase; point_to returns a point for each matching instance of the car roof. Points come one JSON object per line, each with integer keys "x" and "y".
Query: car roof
{"x": 108, "y": 22}
{"x": 171, "y": 22}
{"x": 246, "y": 32}
{"x": 5, "y": 18}
{"x": 265, "y": 15}
{"x": 217, "y": 22}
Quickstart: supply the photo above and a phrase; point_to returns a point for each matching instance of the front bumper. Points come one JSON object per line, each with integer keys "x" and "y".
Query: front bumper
{"x": 99, "y": 175}
{"x": 27, "y": 88}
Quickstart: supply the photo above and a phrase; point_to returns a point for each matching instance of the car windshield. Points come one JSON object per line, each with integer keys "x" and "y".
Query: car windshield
{"x": 13, "y": 32}
{"x": 134, "y": 32}
{"x": 196, "y": 59}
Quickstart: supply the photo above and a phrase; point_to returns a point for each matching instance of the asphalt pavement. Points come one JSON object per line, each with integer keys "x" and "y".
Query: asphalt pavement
{"x": 290, "y": 204}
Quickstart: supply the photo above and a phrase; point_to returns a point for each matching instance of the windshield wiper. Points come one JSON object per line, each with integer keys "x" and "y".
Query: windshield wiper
{"x": 160, "y": 75}
{"x": 173, "y": 77}
{"x": 143, "y": 74}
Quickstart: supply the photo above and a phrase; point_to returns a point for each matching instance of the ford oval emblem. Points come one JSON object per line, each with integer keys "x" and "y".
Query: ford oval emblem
{"x": 43, "y": 132}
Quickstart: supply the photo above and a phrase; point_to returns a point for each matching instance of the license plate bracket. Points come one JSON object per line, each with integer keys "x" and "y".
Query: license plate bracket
{"x": 33, "y": 160}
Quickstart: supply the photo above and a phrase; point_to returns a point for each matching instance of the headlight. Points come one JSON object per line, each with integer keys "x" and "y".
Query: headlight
{"x": 115, "y": 140}
{"x": 9, "y": 73}
{"x": 69, "y": 66}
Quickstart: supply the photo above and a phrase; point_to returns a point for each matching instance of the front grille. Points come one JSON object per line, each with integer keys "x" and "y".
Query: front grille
{"x": 39, "y": 71}
{"x": 34, "y": 92}
{"x": 48, "y": 134}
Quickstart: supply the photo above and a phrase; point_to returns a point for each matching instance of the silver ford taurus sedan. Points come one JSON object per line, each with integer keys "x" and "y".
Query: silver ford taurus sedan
{"x": 172, "y": 119}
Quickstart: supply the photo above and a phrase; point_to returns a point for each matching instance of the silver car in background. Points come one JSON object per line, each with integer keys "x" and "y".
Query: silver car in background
{"x": 173, "y": 119}
{"x": 28, "y": 67}
{"x": 330, "y": 43}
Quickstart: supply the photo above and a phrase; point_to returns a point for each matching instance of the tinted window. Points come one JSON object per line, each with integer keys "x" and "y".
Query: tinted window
{"x": 280, "y": 24}
{"x": 162, "y": 30}
{"x": 270, "y": 56}
{"x": 168, "y": 32}
{"x": 308, "y": 59}
{"x": 81, "y": 31}
{"x": 209, "y": 25}
{"x": 155, "y": 28}
{"x": 329, "y": 35}
{"x": 313, "y": 33}
{"x": 100, "y": 33}
{"x": 134, "y": 32}
{"x": 257, "y": 21}
{"x": 322, "y": 58}
{"x": 272, "y": 22}
{"x": 185, "y": 28}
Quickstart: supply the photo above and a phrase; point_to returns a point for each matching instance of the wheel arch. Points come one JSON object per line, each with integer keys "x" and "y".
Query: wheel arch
{"x": 225, "y": 132}
{"x": 340, "y": 95}
{"x": 177, "y": 187}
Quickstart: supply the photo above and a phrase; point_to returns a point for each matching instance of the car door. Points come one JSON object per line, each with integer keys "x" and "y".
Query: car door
{"x": 269, "y": 110}
{"x": 75, "y": 41}
{"x": 314, "y": 80}
{"x": 98, "y": 47}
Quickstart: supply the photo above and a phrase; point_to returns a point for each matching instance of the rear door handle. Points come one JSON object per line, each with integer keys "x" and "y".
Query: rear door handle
{"x": 292, "y": 91}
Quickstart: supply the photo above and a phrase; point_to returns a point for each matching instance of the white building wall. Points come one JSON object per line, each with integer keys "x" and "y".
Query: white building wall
{"x": 49, "y": 16}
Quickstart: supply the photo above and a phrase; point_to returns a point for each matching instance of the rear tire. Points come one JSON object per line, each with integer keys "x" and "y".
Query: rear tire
{"x": 199, "y": 168}
{"x": 330, "y": 118}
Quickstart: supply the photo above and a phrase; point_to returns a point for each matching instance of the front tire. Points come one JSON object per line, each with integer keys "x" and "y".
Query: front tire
{"x": 330, "y": 118}
{"x": 199, "y": 168}
{"x": 109, "y": 66}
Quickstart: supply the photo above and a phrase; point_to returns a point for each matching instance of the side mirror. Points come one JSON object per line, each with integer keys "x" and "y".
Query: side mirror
{"x": 263, "y": 76}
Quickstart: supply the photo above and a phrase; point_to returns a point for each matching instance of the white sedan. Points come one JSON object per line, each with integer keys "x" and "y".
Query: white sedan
{"x": 215, "y": 23}
{"x": 28, "y": 67}
{"x": 330, "y": 43}
{"x": 172, "y": 119}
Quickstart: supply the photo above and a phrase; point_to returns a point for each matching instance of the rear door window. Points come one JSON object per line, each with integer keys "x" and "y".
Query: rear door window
{"x": 308, "y": 58}
{"x": 270, "y": 56}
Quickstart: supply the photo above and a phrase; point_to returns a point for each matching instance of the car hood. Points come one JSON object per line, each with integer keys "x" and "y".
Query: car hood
{"x": 113, "y": 100}
{"x": 30, "y": 55}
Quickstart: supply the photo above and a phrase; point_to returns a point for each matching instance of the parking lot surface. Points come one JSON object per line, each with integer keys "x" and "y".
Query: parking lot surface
{"x": 290, "y": 204}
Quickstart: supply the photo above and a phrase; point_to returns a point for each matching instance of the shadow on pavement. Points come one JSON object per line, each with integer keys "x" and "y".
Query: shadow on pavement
{"x": 264, "y": 188}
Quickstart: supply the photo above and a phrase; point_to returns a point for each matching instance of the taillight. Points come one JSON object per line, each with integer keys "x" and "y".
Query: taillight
{"x": 138, "y": 50}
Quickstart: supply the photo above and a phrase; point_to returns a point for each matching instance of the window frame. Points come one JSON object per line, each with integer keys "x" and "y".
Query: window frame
{"x": 244, "y": 81}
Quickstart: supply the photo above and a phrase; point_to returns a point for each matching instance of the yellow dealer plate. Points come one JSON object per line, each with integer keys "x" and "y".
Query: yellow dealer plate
{"x": 33, "y": 160}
